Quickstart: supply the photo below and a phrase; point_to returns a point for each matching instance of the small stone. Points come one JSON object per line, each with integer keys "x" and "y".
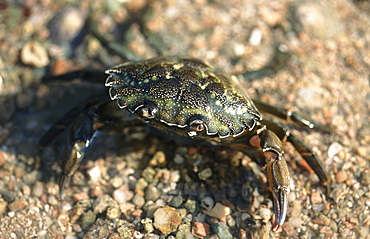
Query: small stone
{"x": 152, "y": 193}
{"x": 265, "y": 213}
{"x": 88, "y": 218}
{"x": 7, "y": 196}
{"x": 167, "y": 219}
{"x": 205, "y": 174}
{"x": 122, "y": 194}
{"x": 148, "y": 174}
{"x": 141, "y": 184}
{"x": 148, "y": 225}
{"x": 207, "y": 203}
{"x": 318, "y": 207}
{"x": 316, "y": 198}
{"x": 200, "y": 229}
{"x": 138, "y": 200}
{"x": 96, "y": 191}
{"x": 3, "y": 206}
{"x": 19, "y": 171}
{"x": 221, "y": 230}
{"x": 316, "y": 18}
{"x": 176, "y": 201}
{"x": 102, "y": 203}
{"x": 38, "y": 189}
{"x": 255, "y": 37}
{"x": 94, "y": 173}
{"x": 2, "y": 159}
{"x": 80, "y": 196}
{"x": 190, "y": 205}
{"x": 113, "y": 211}
{"x": 18, "y": 205}
{"x": 334, "y": 149}
{"x": 34, "y": 54}
{"x": 126, "y": 208}
{"x": 341, "y": 176}
{"x": 230, "y": 221}
{"x": 137, "y": 213}
{"x": 218, "y": 211}
{"x": 159, "y": 159}
{"x": 361, "y": 151}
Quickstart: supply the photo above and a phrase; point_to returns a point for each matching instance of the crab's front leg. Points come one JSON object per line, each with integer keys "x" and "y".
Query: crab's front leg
{"x": 78, "y": 124}
{"x": 277, "y": 173}
{"x": 80, "y": 136}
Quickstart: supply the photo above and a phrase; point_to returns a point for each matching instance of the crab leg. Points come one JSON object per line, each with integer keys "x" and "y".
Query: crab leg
{"x": 79, "y": 123}
{"x": 307, "y": 154}
{"x": 277, "y": 173}
{"x": 293, "y": 116}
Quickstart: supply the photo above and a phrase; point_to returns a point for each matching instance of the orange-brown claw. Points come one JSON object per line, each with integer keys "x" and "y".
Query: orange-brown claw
{"x": 279, "y": 179}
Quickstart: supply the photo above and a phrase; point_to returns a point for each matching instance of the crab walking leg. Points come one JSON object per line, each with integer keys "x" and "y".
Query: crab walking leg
{"x": 291, "y": 116}
{"x": 309, "y": 157}
{"x": 277, "y": 174}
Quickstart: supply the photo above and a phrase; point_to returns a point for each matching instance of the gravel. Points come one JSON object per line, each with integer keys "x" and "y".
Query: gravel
{"x": 137, "y": 183}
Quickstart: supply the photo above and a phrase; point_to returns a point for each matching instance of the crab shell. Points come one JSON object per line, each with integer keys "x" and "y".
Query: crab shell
{"x": 182, "y": 96}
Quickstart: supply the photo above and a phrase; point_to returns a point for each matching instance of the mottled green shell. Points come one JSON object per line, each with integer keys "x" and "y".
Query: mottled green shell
{"x": 178, "y": 92}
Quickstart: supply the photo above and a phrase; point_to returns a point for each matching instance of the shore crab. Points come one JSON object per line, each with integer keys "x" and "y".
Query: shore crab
{"x": 187, "y": 97}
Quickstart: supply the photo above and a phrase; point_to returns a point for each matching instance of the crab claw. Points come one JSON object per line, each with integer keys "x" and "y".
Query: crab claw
{"x": 71, "y": 165}
{"x": 279, "y": 179}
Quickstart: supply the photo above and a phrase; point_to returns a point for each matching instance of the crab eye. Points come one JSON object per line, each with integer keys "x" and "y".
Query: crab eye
{"x": 196, "y": 125}
{"x": 147, "y": 111}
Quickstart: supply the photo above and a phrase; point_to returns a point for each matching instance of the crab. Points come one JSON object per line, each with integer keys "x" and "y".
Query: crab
{"x": 188, "y": 97}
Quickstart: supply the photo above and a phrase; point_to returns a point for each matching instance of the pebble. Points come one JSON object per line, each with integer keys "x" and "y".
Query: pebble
{"x": 221, "y": 230}
{"x": 102, "y": 203}
{"x": 152, "y": 193}
{"x": 7, "y": 196}
{"x": 2, "y": 159}
{"x": 38, "y": 189}
{"x": 159, "y": 159}
{"x": 365, "y": 177}
{"x": 167, "y": 219}
{"x": 207, "y": 203}
{"x": 94, "y": 173}
{"x": 34, "y": 54}
{"x": 64, "y": 29}
{"x": 190, "y": 205}
{"x": 230, "y": 221}
{"x": 18, "y": 205}
{"x": 334, "y": 149}
{"x": 3, "y": 206}
{"x": 176, "y": 201}
{"x": 341, "y": 177}
{"x": 316, "y": 198}
{"x": 123, "y": 194}
{"x": 148, "y": 174}
{"x": 138, "y": 200}
{"x": 80, "y": 196}
{"x": 218, "y": 211}
{"x": 200, "y": 229}
{"x": 88, "y": 218}
{"x": 318, "y": 207}
{"x": 265, "y": 213}
{"x": 361, "y": 151}
{"x": 148, "y": 225}
{"x": 205, "y": 174}
{"x": 141, "y": 184}
{"x": 316, "y": 18}
{"x": 113, "y": 211}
